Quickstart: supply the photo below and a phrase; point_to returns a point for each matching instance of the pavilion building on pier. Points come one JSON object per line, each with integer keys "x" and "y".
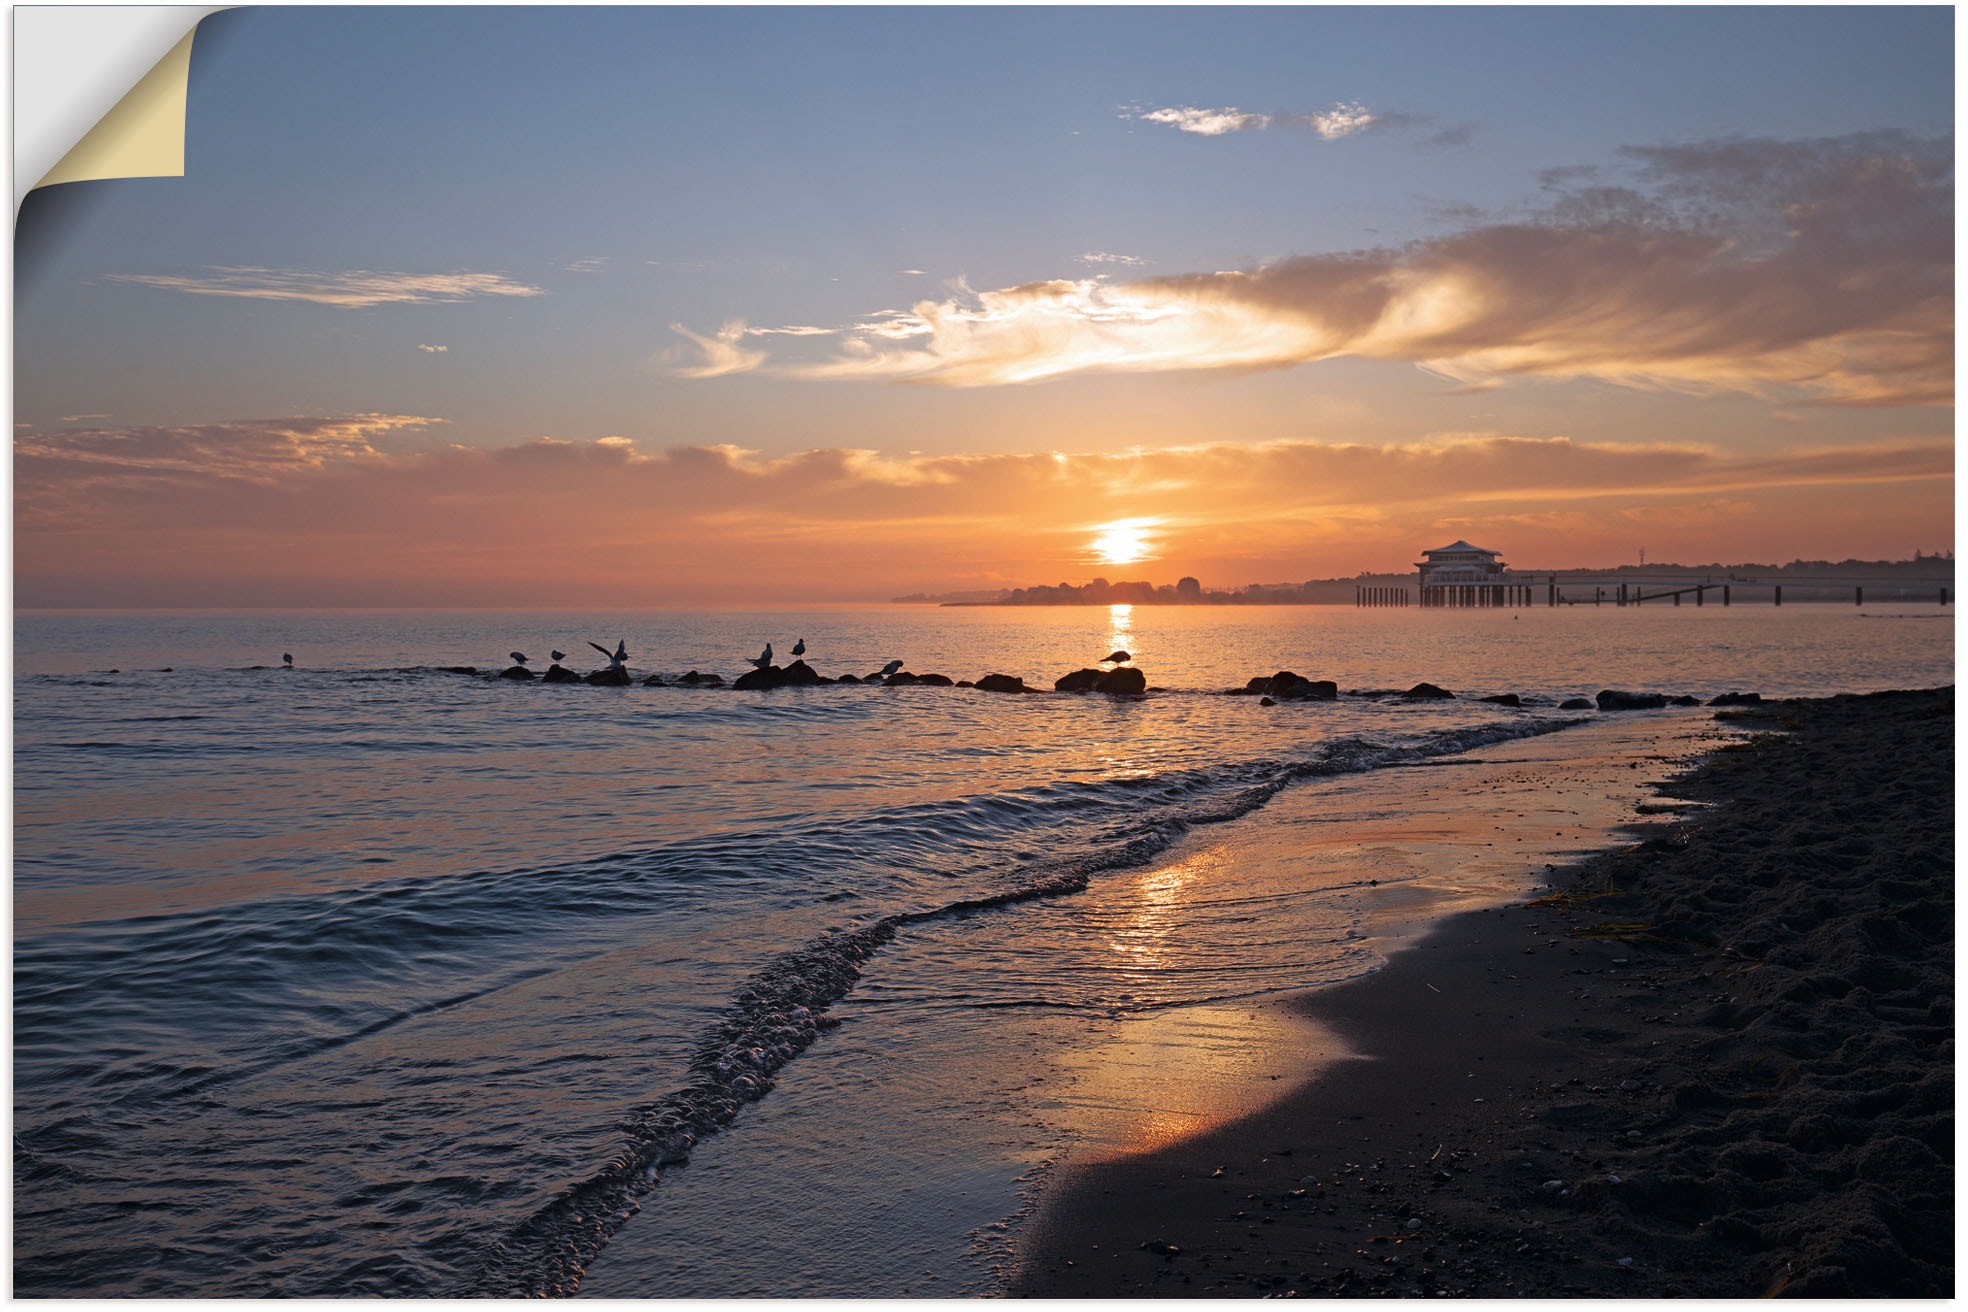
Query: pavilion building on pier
{"x": 1464, "y": 575}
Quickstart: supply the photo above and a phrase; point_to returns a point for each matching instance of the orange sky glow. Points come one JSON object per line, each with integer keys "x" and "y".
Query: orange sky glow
{"x": 1071, "y": 326}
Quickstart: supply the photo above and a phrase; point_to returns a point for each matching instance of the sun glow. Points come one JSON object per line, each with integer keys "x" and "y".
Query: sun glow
{"x": 1123, "y": 542}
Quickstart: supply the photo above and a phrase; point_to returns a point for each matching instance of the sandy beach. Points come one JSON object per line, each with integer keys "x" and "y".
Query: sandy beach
{"x": 1717, "y": 1063}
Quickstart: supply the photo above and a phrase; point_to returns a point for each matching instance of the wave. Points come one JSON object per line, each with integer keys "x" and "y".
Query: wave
{"x": 782, "y": 1009}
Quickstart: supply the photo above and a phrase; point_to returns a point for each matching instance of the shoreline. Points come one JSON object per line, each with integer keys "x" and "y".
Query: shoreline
{"x": 1716, "y": 1063}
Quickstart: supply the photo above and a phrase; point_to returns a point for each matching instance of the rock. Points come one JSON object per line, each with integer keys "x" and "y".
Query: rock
{"x": 1373, "y": 692}
{"x": 848, "y": 678}
{"x": 560, "y": 674}
{"x": 800, "y": 674}
{"x": 473, "y": 669}
{"x": 769, "y": 677}
{"x": 654, "y": 681}
{"x": 900, "y": 679}
{"x": 693, "y": 678}
{"x": 1684, "y": 700}
{"x": 1613, "y": 700}
{"x": 1308, "y": 690}
{"x": 516, "y": 672}
{"x": 935, "y": 680}
{"x": 965, "y": 683}
{"x": 1077, "y": 681}
{"x": 612, "y": 677}
{"x": 1737, "y": 699}
{"x": 1503, "y": 699}
{"x": 1265, "y": 701}
{"x": 1001, "y": 683}
{"x": 1428, "y": 692}
{"x": 1575, "y": 704}
{"x": 1124, "y": 680}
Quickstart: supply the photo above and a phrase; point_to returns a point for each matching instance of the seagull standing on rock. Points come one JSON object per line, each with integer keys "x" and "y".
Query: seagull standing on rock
{"x": 558, "y": 655}
{"x": 288, "y": 657}
{"x": 799, "y": 648}
{"x": 763, "y": 659}
{"x": 890, "y": 668}
{"x": 518, "y": 657}
{"x": 617, "y": 659}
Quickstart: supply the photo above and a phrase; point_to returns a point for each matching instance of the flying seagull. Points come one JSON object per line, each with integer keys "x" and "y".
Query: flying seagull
{"x": 288, "y": 657}
{"x": 617, "y": 658}
{"x": 518, "y": 657}
{"x": 890, "y": 668}
{"x": 1118, "y": 658}
{"x": 799, "y": 648}
{"x": 764, "y": 658}
{"x": 559, "y": 655}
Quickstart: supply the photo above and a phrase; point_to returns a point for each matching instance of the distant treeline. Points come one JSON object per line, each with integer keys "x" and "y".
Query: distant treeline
{"x": 1332, "y": 592}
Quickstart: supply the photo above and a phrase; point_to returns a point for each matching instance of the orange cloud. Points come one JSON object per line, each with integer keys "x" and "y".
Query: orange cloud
{"x": 1819, "y": 269}
{"x": 344, "y": 512}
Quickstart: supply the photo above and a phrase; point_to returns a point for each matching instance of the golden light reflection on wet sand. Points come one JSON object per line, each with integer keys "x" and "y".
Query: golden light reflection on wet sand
{"x": 1387, "y": 852}
{"x": 1166, "y": 1075}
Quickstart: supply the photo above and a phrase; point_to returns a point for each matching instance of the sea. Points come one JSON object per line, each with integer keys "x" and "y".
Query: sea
{"x": 375, "y": 977}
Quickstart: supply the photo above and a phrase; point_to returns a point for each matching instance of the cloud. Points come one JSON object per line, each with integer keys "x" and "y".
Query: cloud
{"x": 1817, "y": 270}
{"x": 1108, "y": 257}
{"x": 68, "y": 468}
{"x": 353, "y": 289}
{"x": 432, "y": 350}
{"x": 340, "y": 510}
{"x": 1342, "y": 120}
{"x": 592, "y": 264}
{"x": 719, "y": 355}
{"x": 912, "y": 273}
{"x": 1206, "y": 122}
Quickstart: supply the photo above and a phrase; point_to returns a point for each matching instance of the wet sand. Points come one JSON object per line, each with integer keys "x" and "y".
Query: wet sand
{"x": 1716, "y": 1063}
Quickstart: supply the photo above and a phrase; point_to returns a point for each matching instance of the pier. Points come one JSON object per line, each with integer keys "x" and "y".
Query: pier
{"x": 1511, "y": 588}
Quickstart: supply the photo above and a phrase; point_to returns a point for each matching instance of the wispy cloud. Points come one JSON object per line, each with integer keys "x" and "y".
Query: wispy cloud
{"x": 592, "y": 264}
{"x": 352, "y": 289}
{"x": 1099, "y": 258}
{"x": 718, "y": 355}
{"x": 432, "y": 350}
{"x": 1820, "y": 269}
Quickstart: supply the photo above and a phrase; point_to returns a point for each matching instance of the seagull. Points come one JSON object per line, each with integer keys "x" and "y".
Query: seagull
{"x": 518, "y": 657}
{"x": 1118, "y": 658}
{"x": 617, "y": 658}
{"x": 799, "y": 648}
{"x": 890, "y": 668}
{"x": 764, "y": 658}
{"x": 559, "y": 655}
{"x": 288, "y": 657}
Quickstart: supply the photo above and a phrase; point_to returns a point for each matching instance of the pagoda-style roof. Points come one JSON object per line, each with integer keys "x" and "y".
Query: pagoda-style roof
{"x": 1459, "y": 545}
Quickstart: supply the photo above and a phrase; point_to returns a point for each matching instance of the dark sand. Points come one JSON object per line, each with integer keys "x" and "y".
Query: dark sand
{"x": 1719, "y": 1063}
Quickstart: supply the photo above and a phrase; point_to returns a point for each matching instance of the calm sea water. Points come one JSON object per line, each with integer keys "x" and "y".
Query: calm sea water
{"x": 373, "y": 978}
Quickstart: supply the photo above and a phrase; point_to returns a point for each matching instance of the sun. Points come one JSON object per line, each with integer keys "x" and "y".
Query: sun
{"x": 1123, "y": 542}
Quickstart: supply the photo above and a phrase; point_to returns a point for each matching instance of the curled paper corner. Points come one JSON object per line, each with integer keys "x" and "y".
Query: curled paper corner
{"x": 142, "y": 135}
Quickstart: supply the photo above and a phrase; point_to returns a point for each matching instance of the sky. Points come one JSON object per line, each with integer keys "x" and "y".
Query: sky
{"x": 672, "y": 306}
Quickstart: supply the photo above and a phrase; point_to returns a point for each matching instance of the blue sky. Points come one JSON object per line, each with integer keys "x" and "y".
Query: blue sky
{"x": 601, "y": 178}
